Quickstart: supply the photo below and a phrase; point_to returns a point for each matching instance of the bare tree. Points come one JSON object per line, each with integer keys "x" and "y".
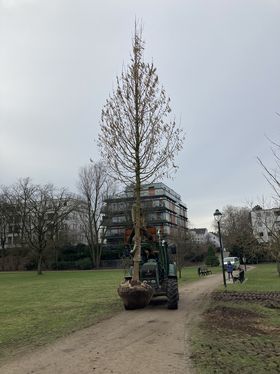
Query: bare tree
{"x": 272, "y": 175}
{"x": 138, "y": 140}
{"x": 61, "y": 205}
{"x": 19, "y": 195}
{"x": 266, "y": 223}
{"x": 274, "y": 248}
{"x": 181, "y": 238}
{"x": 6, "y": 220}
{"x": 237, "y": 232}
{"x": 42, "y": 211}
{"x": 94, "y": 185}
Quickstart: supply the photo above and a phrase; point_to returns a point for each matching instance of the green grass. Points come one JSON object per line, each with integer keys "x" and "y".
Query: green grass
{"x": 35, "y": 310}
{"x": 240, "y": 336}
{"x": 189, "y": 274}
{"x": 262, "y": 278}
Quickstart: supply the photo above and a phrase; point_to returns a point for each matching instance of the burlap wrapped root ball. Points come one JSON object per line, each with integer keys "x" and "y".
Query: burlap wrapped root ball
{"x": 135, "y": 294}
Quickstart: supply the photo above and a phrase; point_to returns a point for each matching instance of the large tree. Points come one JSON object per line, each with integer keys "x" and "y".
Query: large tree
{"x": 138, "y": 139}
{"x": 272, "y": 175}
{"x": 181, "y": 240}
{"x": 237, "y": 232}
{"x": 7, "y": 219}
{"x": 94, "y": 186}
{"x": 42, "y": 212}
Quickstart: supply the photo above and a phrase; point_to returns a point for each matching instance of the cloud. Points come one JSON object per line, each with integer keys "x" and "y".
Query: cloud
{"x": 15, "y": 3}
{"x": 217, "y": 61}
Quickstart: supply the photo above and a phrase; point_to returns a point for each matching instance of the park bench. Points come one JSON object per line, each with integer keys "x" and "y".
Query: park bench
{"x": 203, "y": 270}
{"x": 238, "y": 276}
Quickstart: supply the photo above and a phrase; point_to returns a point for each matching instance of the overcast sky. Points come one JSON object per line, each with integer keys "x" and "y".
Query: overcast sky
{"x": 218, "y": 60}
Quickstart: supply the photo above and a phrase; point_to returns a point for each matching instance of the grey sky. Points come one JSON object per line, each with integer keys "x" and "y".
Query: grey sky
{"x": 218, "y": 60}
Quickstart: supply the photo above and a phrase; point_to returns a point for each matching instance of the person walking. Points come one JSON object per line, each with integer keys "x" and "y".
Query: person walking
{"x": 229, "y": 270}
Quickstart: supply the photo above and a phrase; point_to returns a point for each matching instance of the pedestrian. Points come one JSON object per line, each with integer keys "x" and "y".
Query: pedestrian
{"x": 229, "y": 270}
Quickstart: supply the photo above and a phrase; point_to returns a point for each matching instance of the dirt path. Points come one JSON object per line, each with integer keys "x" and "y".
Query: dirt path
{"x": 153, "y": 340}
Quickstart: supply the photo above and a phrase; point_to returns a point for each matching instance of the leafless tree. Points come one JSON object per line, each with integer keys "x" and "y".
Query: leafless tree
{"x": 272, "y": 175}
{"x": 181, "y": 238}
{"x": 19, "y": 195}
{"x": 268, "y": 221}
{"x": 138, "y": 140}
{"x": 237, "y": 232}
{"x": 274, "y": 248}
{"x": 62, "y": 204}
{"x": 42, "y": 211}
{"x": 94, "y": 185}
{"x": 6, "y": 220}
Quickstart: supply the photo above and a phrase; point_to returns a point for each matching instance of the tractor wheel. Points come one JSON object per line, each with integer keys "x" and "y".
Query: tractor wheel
{"x": 172, "y": 294}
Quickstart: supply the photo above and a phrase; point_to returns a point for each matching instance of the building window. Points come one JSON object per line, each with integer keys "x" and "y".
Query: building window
{"x": 152, "y": 191}
{"x": 118, "y": 219}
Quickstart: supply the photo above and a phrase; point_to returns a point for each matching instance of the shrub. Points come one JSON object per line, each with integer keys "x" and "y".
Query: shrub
{"x": 212, "y": 259}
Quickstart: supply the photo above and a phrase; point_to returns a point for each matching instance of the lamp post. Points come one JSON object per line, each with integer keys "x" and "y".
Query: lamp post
{"x": 218, "y": 216}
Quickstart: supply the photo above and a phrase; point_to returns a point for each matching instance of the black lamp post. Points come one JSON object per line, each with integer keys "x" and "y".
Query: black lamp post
{"x": 218, "y": 216}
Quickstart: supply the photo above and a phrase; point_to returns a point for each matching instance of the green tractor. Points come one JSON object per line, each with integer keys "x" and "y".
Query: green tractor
{"x": 159, "y": 271}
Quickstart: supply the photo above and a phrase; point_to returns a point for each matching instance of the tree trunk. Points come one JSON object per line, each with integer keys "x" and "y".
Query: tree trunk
{"x": 3, "y": 254}
{"x": 55, "y": 256}
{"x": 180, "y": 272}
{"x": 98, "y": 255}
{"x": 3, "y": 258}
{"x": 39, "y": 265}
{"x": 137, "y": 253}
{"x": 278, "y": 266}
{"x": 91, "y": 253}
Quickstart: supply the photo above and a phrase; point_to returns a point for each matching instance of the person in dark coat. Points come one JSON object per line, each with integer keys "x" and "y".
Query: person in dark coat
{"x": 229, "y": 270}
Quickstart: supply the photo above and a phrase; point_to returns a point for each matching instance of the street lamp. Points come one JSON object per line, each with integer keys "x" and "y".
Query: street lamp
{"x": 218, "y": 216}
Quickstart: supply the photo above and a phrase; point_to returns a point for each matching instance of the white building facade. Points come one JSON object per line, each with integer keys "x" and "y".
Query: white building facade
{"x": 265, "y": 223}
{"x": 202, "y": 236}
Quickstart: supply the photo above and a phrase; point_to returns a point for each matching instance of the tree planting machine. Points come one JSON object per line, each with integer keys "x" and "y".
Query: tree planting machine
{"x": 157, "y": 268}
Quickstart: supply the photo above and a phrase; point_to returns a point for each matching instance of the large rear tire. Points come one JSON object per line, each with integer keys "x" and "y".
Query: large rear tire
{"x": 172, "y": 293}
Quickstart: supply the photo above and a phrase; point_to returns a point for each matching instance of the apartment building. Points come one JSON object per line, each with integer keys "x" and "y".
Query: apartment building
{"x": 202, "y": 236}
{"x": 162, "y": 209}
{"x": 265, "y": 222}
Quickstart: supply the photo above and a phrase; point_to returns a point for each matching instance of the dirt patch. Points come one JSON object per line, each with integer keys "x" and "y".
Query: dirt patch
{"x": 234, "y": 338}
{"x": 248, "y": 296}
{"x": 234, "y": 320}
{"x": 272, "y": 304}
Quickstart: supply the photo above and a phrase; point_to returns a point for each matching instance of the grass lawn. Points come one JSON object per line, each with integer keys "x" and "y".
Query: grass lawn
{"x": 241, "y": 336}
{"x": 35, "y": 310}
{"x": 189, "y": 274}
{"x": 262, "y": 279}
